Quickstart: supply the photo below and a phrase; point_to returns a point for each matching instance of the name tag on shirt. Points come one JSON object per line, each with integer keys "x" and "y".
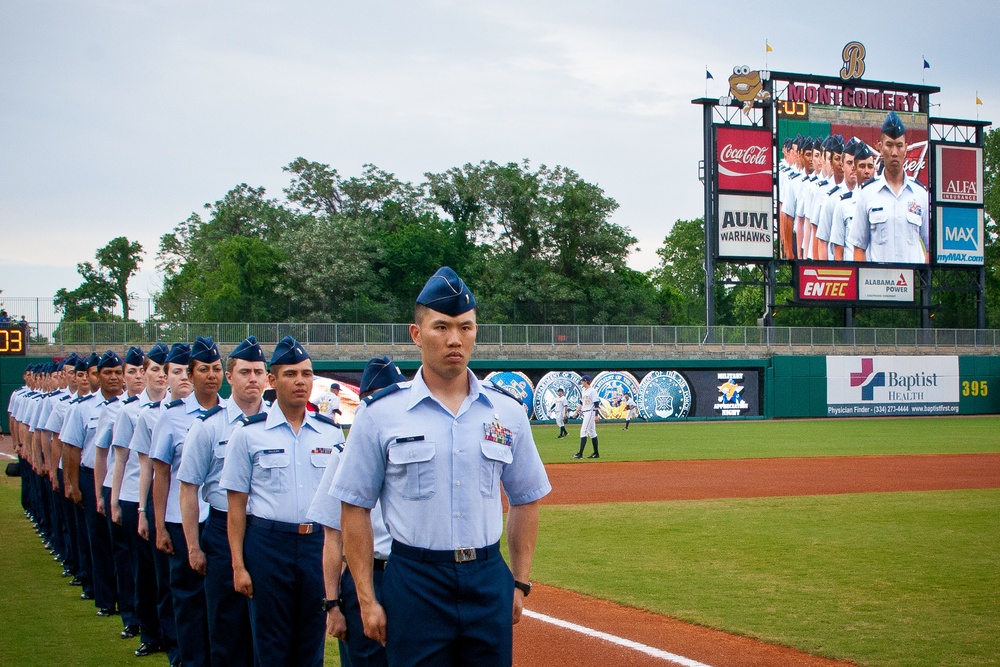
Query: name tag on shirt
{"x": 412, "y": 438}
{"x": 273, "y": 451}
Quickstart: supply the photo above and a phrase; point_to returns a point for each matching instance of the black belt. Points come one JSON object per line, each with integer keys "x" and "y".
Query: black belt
{"x": 219, "y": 514}
{"x": 282, "y": 527}
{"x": 378, "y": 564}
{"x": 451, "y": 556}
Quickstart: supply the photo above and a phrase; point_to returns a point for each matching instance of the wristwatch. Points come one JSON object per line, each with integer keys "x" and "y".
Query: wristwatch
{"x": 330, "y": 604}
{"x": 524, "y": 588}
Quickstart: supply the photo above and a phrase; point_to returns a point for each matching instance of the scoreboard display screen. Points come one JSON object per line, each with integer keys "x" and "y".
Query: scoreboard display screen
{"x": 12, "y": 342}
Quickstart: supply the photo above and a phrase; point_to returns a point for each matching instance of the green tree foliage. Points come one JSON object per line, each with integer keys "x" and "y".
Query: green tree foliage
{"x": 991, "y": 167}
{"x": 103, "y": 286}
{"x": 680, "y": 277}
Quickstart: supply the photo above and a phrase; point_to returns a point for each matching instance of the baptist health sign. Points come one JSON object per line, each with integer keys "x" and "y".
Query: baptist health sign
{"x": 877, "y": 386}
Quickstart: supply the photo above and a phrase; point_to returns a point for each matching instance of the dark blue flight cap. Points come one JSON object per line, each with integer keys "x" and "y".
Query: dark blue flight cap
{"x": 180, "y": 353}
{"x": 134, "y": 356}
{"x": 378, "y": 374}
{"x": 248, "y": 350}
{"x": 893, "y": 126}
{"x": 849, "y": 146}
{"x": 158, "y": 354}
{"x": 93, "y": 360}
{"x": 862, "y": 151}
{"x": 287, "y": 352}
{"x": 82, "y": 363}
{"x": 835, "y": 143}
{"x": 70, "y": 360}
{"x": 109, "y": 359}
{"x": 446, "y": 293}
{"x": 798, "y": 140}
{"x": 787, "y": 143}
{"x": 204, "y": 350}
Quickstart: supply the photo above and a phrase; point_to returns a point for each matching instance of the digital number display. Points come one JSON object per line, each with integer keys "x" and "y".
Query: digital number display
{"x": 799, "y": 110}
{"x": 12, "y": 342}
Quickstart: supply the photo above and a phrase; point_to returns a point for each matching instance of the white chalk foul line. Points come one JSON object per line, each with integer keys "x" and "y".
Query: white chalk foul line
{"x": 626, "y": 643}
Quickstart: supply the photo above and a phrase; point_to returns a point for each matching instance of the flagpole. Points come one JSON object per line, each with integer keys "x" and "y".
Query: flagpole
{"x": 923, "y": 68}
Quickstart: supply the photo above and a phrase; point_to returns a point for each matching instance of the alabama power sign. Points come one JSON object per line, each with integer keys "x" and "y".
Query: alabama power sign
{"x": 877, "y": 386}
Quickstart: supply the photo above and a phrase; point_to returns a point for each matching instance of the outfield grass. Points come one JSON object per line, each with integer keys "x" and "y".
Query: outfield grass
{"x": 900, "y": 579}
{"x": 681, "y": 441}
{"x": 44, "y": 621}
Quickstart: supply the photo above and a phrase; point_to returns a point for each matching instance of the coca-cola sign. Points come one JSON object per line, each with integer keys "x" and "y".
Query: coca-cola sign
{"x": 743, "y": 159}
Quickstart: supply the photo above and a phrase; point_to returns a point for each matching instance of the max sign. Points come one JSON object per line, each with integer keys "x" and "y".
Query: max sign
{"x": 743, "y": 159}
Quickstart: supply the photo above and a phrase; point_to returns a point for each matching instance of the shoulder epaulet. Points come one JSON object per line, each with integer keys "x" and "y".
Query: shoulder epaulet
{"x": 154, "y": 404}
{"x": 794, "y": 175}
{"x": 81, "y": 399}
{"x": 499, "y": 389}
{"x": 847, "y": 195}
{"x": 131, "y": 399}
{"x": 833, "y": 191}
{"x": 325, "y": 419}
{"x": 174, "y": 404}
{"x": 869, "y": 182}
{"x": 66, "y": 397}
{"x": 823, "y": 183}
{"x": 339, "y": 447}
{"x": 208, "y": 413}
{"x": 381, "y": 393}
{"x": 113, "y": 399}
{"x": 254, "y": 419}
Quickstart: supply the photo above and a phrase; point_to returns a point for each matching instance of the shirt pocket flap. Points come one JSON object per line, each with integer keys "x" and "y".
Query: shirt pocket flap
{"x": 496, "y": 452}
{"x": 274, "y": 460}
{"x": 877, "y": 216}
{"x": 415, "y": 452}
{"x": 914, "y": 218}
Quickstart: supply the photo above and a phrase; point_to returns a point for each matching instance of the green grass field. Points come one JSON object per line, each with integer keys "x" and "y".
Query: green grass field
{"x": 898, "y": 579}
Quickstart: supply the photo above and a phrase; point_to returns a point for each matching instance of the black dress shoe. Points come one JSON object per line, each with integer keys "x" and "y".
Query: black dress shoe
{"x": 77, "y": 581}
{"x": 86, "y": 596}
{"x": 594, "y": 456}
{"x": 147, "y": 648}
{"x": 129, "y": 632}
{"x": 67, "y": 573}
{"x": 107, "y": 611}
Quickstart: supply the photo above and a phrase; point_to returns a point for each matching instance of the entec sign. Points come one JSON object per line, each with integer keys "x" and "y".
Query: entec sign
{"x": 828, "y": 283}
{"x": 743, "y": 159}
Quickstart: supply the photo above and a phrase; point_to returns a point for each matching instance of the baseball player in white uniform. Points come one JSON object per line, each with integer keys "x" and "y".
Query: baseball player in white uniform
{"x": 589, "y": 402}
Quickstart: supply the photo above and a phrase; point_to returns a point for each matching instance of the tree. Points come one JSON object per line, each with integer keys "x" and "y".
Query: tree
{"x": 103, "y": 285}
{"x": 120, "y": 258}
{"x": 991, "y": 199}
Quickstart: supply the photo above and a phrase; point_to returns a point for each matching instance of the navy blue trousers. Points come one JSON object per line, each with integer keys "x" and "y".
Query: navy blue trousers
{"x": 190, "y": 613}
{"x": 363, "y": 652}
{"x": 286, "y": 612}
{"x": 228, "y": 611}
{"x": 68, "y": 521}
{"x": 448, "y": 614}
{"x": 164, "y": 600}
{"x": 96, "y": 528}
{"x": 78, "y": 528}
{"x": 143, "y": 573}
{"x": 124, "y": 578}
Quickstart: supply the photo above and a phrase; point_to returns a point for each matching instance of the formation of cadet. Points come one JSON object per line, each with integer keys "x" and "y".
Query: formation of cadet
{"x": 834, "y": 207}
{"x": 212, "y": 526}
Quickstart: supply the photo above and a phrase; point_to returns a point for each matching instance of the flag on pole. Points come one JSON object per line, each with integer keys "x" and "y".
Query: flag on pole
{"x": 927, "y": 65}
{"x": 767, "y": 47}
{"x": 708, "y": 75}
{"x": 979, "y": 102}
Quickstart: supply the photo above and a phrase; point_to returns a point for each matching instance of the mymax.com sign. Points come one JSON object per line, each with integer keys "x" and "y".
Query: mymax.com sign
{"x": 877, "y": 386}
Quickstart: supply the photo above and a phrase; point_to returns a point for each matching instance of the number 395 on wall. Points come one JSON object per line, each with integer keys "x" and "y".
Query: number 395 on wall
{"x": 975, "y": 388}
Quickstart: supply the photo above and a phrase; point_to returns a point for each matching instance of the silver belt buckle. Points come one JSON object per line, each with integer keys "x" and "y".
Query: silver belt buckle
{"x": 305, "y": 529}
{"x": 464, "y": 555}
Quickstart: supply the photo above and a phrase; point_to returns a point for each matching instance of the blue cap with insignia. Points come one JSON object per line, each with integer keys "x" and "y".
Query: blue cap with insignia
{"x": 70, "y": 360}
{"x": 134, "y": 356}
{"x": 158, "y": 354}
{"x": 81, "y": 365}
{"x": 109, "y": 359}
{"x": 248, "y": 350}
{"x": 93, "y": 360}
{"x": 288, "y": 351}
{"x": 379, "y": 374}
{"x": 849, "y": 146}
{"x": 446, "y": 293}
{"x": 180, "y": 353}
{"x": 835, "y": 143}
{"x": 893, "y": 127}
{"x": 204, "y": 350}
{"x": 862, "y": 151}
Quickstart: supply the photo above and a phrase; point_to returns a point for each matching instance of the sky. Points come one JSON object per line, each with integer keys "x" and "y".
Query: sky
{"x": 121, "y": 118}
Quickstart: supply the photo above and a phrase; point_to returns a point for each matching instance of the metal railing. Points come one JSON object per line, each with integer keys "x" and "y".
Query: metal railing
{"x": 525, "y": 336}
